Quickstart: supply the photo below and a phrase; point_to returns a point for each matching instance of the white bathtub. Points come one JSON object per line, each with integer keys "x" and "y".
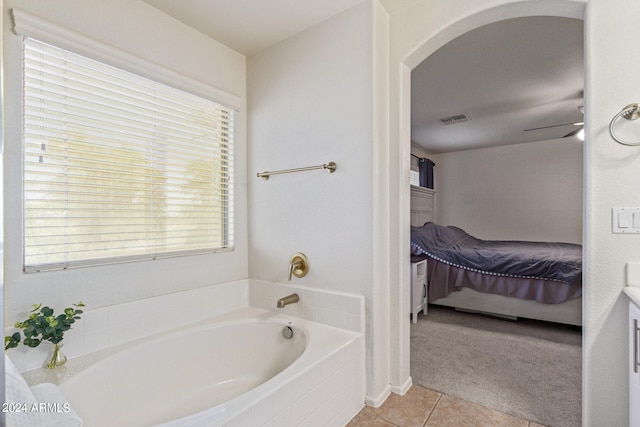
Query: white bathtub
{"x": 237, "y": 369}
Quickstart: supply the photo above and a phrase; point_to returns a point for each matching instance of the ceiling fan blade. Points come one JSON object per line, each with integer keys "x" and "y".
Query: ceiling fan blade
{"x": 573, "y": 132}
{"x": 555, "y": 126}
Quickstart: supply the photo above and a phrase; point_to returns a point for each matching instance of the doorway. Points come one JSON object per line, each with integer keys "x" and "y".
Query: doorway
{"x": 410, "y": 56}
{"x": 515, "y": 88}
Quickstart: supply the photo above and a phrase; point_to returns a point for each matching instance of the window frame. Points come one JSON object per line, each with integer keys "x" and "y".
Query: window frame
{"x": 27, "y": 25}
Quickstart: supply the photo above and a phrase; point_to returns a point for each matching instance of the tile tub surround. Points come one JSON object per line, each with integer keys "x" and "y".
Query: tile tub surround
{"x": 112, "y": 326}
{"x": 330, "y": 393}
{"x": 339, "y": 309}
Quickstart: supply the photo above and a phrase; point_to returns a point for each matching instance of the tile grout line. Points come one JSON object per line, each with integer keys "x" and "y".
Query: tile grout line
{"x": 433, "y": 410}
{"x": 383, "y": 419}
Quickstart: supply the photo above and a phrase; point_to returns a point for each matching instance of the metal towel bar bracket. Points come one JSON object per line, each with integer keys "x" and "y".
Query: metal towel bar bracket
{"x": 630, "y": 112}
{"x": 331, "y": 167}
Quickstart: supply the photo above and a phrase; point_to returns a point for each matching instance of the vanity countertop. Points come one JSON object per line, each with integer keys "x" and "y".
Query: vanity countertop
{"x": 633, "y": 292}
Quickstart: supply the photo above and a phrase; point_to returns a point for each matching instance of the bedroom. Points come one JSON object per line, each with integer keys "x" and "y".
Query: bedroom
{"x": 493, "y": 179}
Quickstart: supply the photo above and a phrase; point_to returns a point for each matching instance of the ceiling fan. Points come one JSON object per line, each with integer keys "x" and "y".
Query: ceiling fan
{"x": 577, "y": 130}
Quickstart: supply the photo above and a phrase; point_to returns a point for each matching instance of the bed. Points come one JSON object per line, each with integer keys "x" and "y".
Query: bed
{"x": 535, "y": 280}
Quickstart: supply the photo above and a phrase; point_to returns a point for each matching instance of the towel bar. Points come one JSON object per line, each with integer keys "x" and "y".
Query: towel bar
{"x": 331, "y": 167}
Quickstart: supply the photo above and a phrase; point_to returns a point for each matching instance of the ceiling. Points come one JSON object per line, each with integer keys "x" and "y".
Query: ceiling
{"x": 248, "y": 26}
{"x": 508, "y": 76}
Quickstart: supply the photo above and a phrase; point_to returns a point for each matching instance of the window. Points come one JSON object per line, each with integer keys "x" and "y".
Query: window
{"x": 414, "y": 178}
{"x": 118, "y": 167}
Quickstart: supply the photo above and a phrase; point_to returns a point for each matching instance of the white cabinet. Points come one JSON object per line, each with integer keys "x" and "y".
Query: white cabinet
{"x": 418, "y": 288}
{"x": 634, "y": 365}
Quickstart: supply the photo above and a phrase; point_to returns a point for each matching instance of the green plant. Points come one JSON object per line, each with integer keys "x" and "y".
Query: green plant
{"x": 44, "y": 325}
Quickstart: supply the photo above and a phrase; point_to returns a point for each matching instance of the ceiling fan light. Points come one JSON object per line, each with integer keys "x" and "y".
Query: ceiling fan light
{"x": 581, "y": 134}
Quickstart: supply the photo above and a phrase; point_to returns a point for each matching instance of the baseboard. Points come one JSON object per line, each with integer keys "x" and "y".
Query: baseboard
{"x": 376, "y": 402}
{"x": 403, "y": 389}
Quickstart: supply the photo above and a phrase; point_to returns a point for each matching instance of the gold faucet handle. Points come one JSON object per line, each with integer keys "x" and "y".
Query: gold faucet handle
{"x": 298, "y": 265}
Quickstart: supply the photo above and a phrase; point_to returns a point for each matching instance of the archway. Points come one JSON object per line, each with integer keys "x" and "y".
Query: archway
{"x": 406, "y": 55}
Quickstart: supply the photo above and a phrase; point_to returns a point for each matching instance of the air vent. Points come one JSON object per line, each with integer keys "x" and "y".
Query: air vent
{"x": 460, "y": 118}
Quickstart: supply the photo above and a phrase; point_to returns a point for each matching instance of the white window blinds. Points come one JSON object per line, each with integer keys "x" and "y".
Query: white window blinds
{"x": 118, "y": 167}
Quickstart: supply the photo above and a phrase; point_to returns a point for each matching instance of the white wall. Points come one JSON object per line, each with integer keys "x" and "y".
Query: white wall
{"x": 139, "y": 29}
{"x": 612, "y": 173}
{"x": 311, "y": 101}
{"x": 527, "y": 191}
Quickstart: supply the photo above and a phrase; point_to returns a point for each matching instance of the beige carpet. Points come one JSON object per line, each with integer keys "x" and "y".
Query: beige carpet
{"x": 528, "y": 369}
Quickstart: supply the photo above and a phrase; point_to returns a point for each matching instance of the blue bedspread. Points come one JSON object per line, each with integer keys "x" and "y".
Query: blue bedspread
{"x": 544, "y": 260}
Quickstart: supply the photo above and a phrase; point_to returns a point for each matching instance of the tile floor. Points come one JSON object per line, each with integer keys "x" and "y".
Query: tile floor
{"x": 422, "y": 407}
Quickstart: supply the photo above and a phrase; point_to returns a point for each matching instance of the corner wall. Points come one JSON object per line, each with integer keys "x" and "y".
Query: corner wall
{"x": 309, "y": 98}
{"x": 311, "y": 101}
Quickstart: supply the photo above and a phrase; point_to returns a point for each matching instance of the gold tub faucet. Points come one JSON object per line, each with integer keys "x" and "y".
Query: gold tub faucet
{"x": 289, "y": 299}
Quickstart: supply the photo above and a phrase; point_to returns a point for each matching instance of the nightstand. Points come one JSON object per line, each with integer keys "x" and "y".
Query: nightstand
{"x": 418, "y": 287}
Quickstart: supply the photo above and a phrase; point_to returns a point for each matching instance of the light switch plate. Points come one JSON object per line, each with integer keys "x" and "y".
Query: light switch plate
{"x": 625, "y": 220}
